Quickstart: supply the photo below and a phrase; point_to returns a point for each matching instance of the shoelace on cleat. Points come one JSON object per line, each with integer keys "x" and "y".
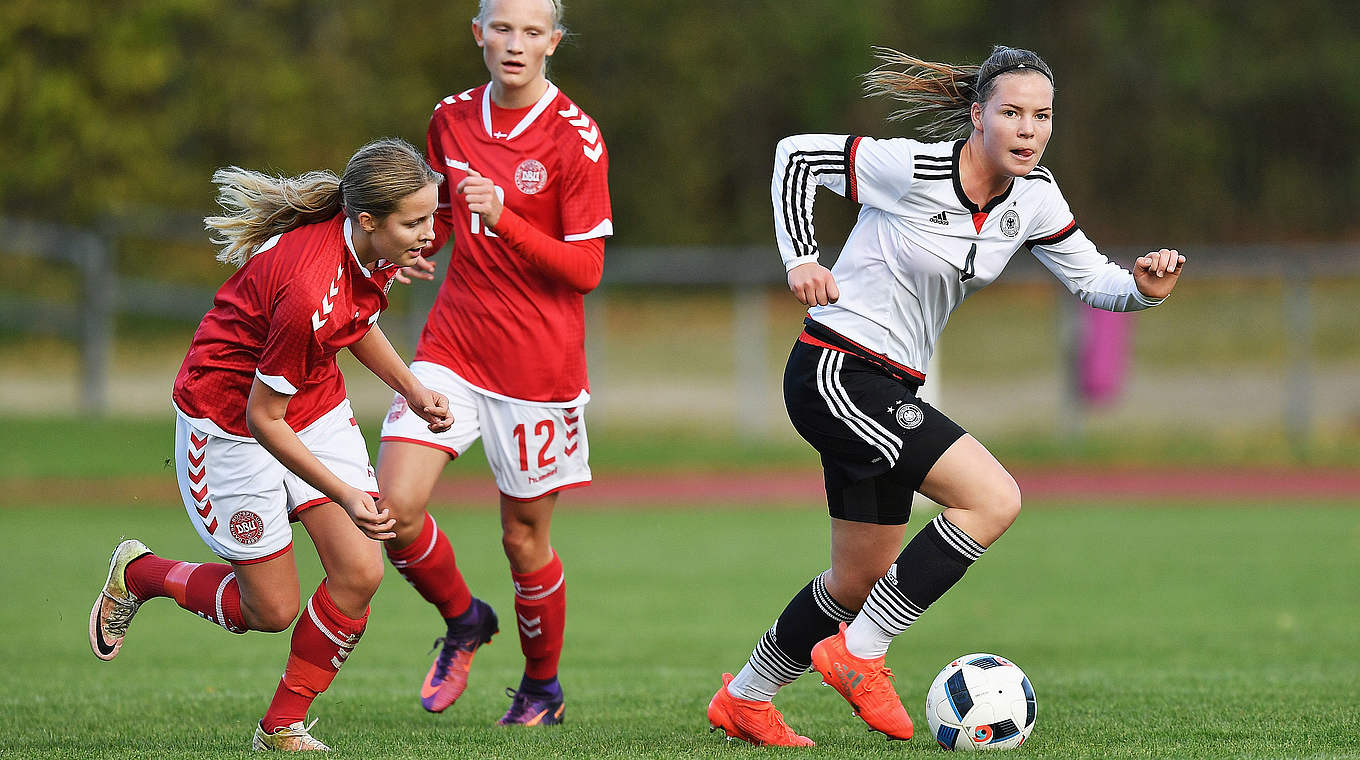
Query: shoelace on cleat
{"x": 872, "y": 681}
{"x": 450, "y": 648}
{"x": 776, "y": 721}
{"x": 303, "y": 734}
{"x": 521, "y": 703}
{"x": 118, "y": 619}
{"x": 518, "y": 701}
{"x": 518, "y": 706}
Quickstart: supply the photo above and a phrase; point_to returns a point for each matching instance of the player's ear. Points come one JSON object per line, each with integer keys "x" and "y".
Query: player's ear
{"x": 477, "y": 33}
{"x": 975, "y": 113}
{"x": 555, "y": 38}
{"x": 367, "y": 222}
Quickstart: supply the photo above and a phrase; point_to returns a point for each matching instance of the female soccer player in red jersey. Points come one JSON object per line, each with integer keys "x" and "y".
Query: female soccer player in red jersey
{"x": 265, "y": 434}
{"x": 527, "y": 205}
{"x": 939, "y": 221}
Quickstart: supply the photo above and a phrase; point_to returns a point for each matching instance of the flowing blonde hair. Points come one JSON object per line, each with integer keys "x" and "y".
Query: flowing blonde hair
{"x": 943, "y": 92}
{"x": 259, "y": 206}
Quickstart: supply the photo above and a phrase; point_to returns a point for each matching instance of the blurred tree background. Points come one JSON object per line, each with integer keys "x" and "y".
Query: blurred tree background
{"x": 1183, "y": 120}
{"x": 1208, "y": 125}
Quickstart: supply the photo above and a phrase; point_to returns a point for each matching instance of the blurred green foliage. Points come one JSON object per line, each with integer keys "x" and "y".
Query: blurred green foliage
{"x": 1183, "y": 120}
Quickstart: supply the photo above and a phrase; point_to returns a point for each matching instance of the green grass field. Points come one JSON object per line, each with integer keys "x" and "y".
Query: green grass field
{"x": 1148, "y": 631}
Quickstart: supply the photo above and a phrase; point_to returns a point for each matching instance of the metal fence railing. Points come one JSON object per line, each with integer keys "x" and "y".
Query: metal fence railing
{"x": 747, "y": 280}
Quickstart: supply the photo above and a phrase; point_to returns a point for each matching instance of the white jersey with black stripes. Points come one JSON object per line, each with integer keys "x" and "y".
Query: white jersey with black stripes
{"x": 920, "y": 246}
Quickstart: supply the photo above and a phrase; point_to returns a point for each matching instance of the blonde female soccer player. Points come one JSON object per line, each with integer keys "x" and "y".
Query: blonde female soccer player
{"x": 264, "y": 432}
{"x": 527, "y": 203}
{"x": 940, "y": 219}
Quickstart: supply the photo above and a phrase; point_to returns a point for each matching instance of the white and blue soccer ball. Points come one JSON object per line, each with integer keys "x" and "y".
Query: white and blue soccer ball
{"x": 980, "y": 701}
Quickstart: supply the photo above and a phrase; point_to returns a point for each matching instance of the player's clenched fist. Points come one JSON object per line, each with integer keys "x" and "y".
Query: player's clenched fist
{"x": 433, "y": 408}
{"x": 480, "y": 193}
{"x": 813, "y": 285}
{"x": 1156, "y": 273}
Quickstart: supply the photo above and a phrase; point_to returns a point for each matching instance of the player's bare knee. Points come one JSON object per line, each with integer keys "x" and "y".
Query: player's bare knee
{"x": 410, "y": 521}
{"x": 272, "y": 616}
{"x": 518, "y": 542}
{"x": 1004, "y": 504}
{"x": 361, "y": 580}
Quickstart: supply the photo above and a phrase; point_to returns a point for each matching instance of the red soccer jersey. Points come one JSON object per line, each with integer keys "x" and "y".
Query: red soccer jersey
{"x": 499, "y": 322}
{"x": 282, "y": 317}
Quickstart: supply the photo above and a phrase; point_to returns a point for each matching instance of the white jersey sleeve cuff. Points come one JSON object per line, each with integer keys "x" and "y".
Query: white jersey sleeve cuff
{"x": 277, "y": 382}
{"x": 1146, "y": 302}
{"x": 603, "y": 229}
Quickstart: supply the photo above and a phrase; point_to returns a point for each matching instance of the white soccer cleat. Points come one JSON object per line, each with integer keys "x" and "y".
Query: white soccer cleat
{"x": 114, "y": 607}
{"x": 294, "y": 738}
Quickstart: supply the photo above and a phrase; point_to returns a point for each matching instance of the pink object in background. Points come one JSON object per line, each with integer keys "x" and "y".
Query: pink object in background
{"x": 1103, "y": 354}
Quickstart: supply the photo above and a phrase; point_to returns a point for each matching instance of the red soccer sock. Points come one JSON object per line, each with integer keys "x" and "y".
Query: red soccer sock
{"x": 429, "y": 566}
{"x": 541, "y": 606}
{"x": 208, "y": 590}
{"x": 322, "y": 640}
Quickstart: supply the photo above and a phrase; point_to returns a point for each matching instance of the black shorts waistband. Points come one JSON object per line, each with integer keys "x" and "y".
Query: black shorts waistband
{"x": 832, "y": 339}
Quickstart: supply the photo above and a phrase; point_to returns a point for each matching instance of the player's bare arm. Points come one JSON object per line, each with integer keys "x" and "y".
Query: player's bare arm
{"x": 265, "y": 411}
{"x": 375, "y": 351}
{"x": 1157, "y": 273}
{"x": 813, "y": 285}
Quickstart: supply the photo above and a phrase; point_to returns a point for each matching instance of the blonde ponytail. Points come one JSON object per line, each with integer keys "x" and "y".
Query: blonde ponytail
{"x": 259, "y": 206}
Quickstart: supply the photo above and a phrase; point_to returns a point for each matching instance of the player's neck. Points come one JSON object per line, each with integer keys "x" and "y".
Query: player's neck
{"x": 362, "y": 244}
{"x": 981, "y": 183}
{"x": 518, "y": 97}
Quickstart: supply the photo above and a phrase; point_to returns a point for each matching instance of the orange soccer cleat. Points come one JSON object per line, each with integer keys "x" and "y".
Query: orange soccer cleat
{"x": 448, "y": 676}
{"x": 865, "y": 684}
{"x": 756, "y": 722}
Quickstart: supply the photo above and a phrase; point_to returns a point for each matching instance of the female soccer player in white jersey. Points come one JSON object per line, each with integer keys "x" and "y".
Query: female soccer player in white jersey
{"x": 527, "y": 205}
{"x": 939, "y": 221}
{"x": 265, "y": 434}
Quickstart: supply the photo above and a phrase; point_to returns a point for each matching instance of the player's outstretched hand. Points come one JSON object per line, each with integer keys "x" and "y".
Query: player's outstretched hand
{"x": 421, "y": 269}
{"x": 813, "y": 285}
{"x": 481, "y": 197}
{"x": 376, "y": 523}
{"x": 1157, "y": 272}
{"x": 431, "y": 407}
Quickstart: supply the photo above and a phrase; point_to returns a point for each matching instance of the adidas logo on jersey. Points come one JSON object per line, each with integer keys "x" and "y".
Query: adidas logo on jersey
{"x": 940, "y": 218}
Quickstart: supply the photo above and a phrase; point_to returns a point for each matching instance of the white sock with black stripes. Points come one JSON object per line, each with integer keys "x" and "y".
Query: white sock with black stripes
{"x": 934, "y": 560}
{"x": 785, "y": 651}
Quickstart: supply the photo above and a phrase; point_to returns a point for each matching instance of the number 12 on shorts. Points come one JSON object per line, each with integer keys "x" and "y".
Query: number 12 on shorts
{"x": 543, "y": 430}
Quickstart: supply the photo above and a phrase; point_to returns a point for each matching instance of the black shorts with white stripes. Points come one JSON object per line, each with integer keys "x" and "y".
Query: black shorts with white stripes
{"x": 876, "y": 438}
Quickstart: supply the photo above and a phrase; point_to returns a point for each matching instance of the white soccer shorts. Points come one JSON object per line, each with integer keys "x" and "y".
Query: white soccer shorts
{"x": 240, "y": 498}
{"x": 533, "y": 450}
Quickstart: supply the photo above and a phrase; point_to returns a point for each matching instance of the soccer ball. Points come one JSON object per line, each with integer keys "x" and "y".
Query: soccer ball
{"x": 980, "y": 701}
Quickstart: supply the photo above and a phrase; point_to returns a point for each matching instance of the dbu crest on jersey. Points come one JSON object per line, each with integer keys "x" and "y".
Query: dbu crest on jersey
{"x": 1010, "y": 223}
{"x": 246, "y": 527}
{"x": 530, "y": 176}
{"x": 910, "y": 416}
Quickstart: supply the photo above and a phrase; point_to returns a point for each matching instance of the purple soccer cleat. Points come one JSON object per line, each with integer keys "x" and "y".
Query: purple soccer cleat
{"x": 532, "y": 708}
{"x": 447, "y": 678}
